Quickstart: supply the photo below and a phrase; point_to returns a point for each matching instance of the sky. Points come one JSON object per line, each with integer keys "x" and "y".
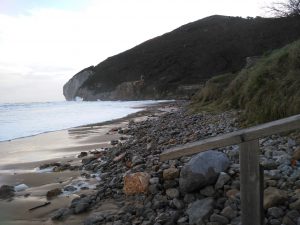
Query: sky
{"x": 43, "y": 43}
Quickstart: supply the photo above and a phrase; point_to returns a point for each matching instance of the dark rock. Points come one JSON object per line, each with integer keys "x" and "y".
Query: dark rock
{"x": 114, "y": 142}
{"x": 295, "y": 205}
{"x": 82, "y": 154}
{"x": 208, "y": 191}
{"x": 228, "y": 212}
{"x": 53, "y": 193}
{"x": 202, "y": 170}
{"x": 70, "y": 188}
{"x": 222, "y": 180}
{"x": 6, "y": 192}
{"x": 200, "y": 210}
{"x": 81, "y": 207}
{"x": 61, "y": 214}
{"x": 275, "y": 212}
{"x": 219, "y": 219}
{"x": 88, "y": 160}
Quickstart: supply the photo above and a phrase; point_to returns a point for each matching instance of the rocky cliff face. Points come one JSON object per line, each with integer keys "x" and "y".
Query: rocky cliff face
{"x": 173, "y": 64}
{"x": 71, "y": 88}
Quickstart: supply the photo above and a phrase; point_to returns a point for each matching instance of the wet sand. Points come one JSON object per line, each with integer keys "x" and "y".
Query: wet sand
{"x": 19, "y": 159}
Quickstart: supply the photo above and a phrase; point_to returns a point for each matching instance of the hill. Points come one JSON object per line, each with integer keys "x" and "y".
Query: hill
{"x": 174, "y": 65}
{"x": 267, "y": 91}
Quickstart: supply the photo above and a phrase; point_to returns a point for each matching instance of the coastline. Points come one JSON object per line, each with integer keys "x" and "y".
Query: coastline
{"x": 22, "y": 157}
{"x": 104, "y": 193}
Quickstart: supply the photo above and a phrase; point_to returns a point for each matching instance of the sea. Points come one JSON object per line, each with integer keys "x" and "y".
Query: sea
{"x": 18, "y": 120}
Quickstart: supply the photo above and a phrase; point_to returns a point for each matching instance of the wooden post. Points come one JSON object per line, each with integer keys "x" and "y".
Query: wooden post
{"x": 251, "y": 184}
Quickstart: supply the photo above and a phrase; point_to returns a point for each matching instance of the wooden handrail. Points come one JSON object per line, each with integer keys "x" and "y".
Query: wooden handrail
{"x": 233, "y": 138}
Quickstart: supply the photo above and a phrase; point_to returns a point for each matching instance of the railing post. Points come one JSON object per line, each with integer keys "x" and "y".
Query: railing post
{"x": 251, "y": 176}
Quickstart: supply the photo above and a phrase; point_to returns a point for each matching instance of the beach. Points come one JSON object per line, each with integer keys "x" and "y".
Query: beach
{"x": 111, "y": 173}
{"x": 20, "y": 160}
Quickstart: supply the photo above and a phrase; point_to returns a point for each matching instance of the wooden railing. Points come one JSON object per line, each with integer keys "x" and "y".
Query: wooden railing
{"x": 251, "y": 172}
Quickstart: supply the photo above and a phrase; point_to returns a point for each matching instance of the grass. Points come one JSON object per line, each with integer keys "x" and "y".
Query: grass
{"x": 267, "y": 91}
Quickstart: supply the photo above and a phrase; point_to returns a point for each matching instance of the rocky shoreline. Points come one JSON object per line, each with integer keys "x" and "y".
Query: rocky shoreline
{"x": 134, "y": 187}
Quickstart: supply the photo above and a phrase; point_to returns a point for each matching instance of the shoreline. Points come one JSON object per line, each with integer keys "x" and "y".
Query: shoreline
{"x": 71, "y": 142}
{"x": 131, "y": 115}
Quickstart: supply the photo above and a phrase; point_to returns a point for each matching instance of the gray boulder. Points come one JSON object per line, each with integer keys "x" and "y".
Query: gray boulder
{"x": 202, "y": 170}
{"x": 200, "y": 210}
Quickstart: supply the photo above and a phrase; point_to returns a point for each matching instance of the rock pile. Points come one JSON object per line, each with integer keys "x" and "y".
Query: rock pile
{"x": 203, "y": 189}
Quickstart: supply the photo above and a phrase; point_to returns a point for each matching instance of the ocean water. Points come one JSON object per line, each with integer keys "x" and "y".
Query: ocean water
{"x": 26, "y": 119}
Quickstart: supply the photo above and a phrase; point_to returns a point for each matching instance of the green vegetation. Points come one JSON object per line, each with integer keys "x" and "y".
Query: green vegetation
{"x": 267, "y": 91}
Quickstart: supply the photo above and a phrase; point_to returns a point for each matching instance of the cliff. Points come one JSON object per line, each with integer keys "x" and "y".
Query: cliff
{"x": 176, "y": 64}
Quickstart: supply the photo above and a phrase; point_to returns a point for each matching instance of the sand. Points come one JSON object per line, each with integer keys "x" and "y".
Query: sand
{"x": 19, "y": 159}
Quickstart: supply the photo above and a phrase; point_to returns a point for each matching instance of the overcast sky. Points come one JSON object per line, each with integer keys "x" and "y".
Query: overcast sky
{"x": 43, "y": 43}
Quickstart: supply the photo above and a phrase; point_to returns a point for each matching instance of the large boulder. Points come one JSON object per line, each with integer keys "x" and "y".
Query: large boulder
{"x": 202, "y": 170}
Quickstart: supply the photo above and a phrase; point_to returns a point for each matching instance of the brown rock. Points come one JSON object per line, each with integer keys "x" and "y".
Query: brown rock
{"x": 296, "y": 154}
{"x": 53, "y": 193}
{"x": 232, "y": 193}
{"x": 171, "y": 173}
{"x": 136, "y": 183}
{"x": 274, "y": 197}
{"x": 119, "y": 157}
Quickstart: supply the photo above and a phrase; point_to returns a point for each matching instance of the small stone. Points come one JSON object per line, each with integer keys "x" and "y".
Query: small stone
{"x": 171, "y": 173}
{"x": 275, "y": 212}
{"x": 6, "y": 191}
{"x": 153, "y": 189}
{"x": 295, "y": 205}
{"x": 200, "y": 210}
{"x": 81, "y": 207}
{"x": 21, "y": 187}
{"x": 82, "y": 154}
{"x": 274, "y": 197}
{"x": 218, "y": 218}
{"x": 222, "y": 180}
{"x": 136, "y": 183}
{"x": 293, "y": 214}
{"x": 114, "y": 142}
{"x": 275, "y": 222}
{"x": 53, "y": 193}
{"x": 188, "y": 198}
{"x": 70, "y": 188}
{"x": 232, "y": 193}
{"x": 182, "y": 220}
{"x": 136, "y": 160}
{"x": 228, "y": 212}
{"x": 178, "y": 203}
{"x": 61, "y": 214}
{"x": 208, "y": 191}
{"x": 296, "y": 154}
{"x": 119, "y": 157}
{"x": 154, "y": 180}
{"x": 287, "y": 221}
{"x": 172, "y": 193}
